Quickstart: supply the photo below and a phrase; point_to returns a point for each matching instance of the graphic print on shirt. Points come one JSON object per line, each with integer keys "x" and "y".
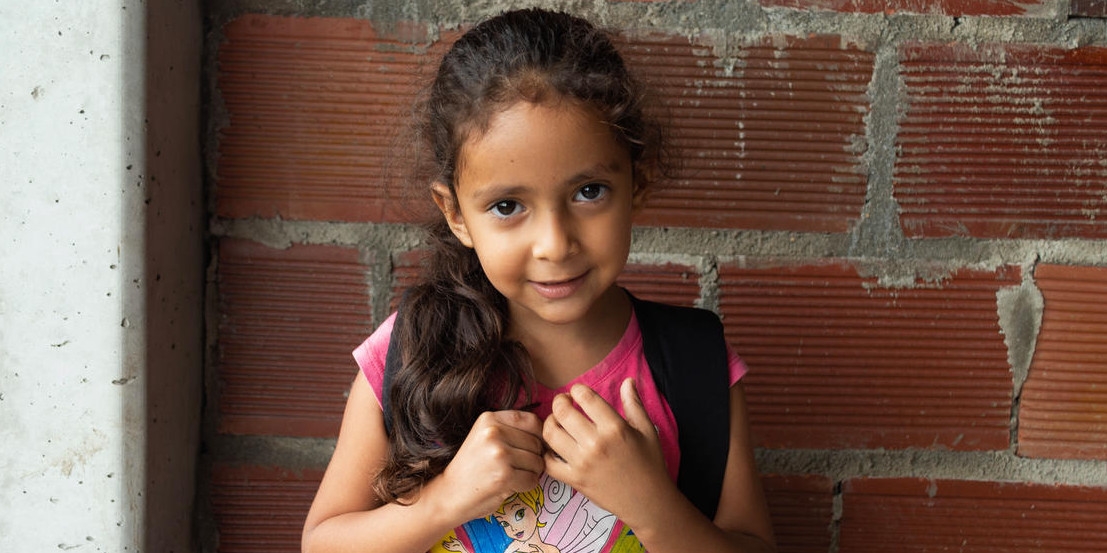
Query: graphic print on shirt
{"x": 551, "y": 518}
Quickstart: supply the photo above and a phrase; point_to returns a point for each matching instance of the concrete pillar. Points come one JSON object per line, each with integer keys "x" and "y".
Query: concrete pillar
{"x": 101, "y": 274}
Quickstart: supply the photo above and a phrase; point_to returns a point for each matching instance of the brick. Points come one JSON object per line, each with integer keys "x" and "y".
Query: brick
{"x": 1029, "y": 8}
{"x": 769, "y": 140}
{"x": 261, "y": 509}
{"x": 802, "y": 511}
{"x": 1088, "y": 8}
{"x": 406, "y": 272}
{"x": 315, "y": 108}
{"x": 672, "y": 283}
{"x": 1063, "y": 412}
{"x": 1003, "y": 141}
{"x": 288, "y": 320}
{"x": 837, "y": 361}
{"x": 914, "y": 515}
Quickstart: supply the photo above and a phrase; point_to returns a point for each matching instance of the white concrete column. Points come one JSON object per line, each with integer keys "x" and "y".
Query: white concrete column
{"x": 85, "y": 347}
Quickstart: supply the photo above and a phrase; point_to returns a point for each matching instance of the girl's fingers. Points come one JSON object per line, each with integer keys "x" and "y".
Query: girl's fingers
{"x": 520, "y": 435}
{"x": 594, "y": 406}
{"x": 521, "y": 420}
{"x": 520, "y": 430}
{"x": 561, "y": 449}
{"x": 567, "y": 417}
{"x": 503, "y": 454}
{"x": 558, "y": 440}
{"x": 581, "y": 417}
{"x": 525, "y": 461}
{"x": 635, "y": 412}
{"x": 594, "y": 449}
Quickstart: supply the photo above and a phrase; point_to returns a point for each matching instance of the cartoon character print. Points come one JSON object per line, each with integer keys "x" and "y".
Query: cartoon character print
{"x": 518, "y": 516}
{"x": 551, "y": 518}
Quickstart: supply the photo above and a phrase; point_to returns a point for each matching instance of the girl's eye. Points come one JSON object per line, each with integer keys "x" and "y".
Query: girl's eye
{"x": 591, "y": 192}
{"x": 519, "y": 515}
{"x": 505, "y": 208}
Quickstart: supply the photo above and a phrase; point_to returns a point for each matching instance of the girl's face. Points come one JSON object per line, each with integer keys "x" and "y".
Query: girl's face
{"x": 546, "y": 197}
{"x": 518, "y": 521}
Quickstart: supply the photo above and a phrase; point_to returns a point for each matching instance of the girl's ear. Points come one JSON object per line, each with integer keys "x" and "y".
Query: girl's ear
{"x": 447, "y": 204}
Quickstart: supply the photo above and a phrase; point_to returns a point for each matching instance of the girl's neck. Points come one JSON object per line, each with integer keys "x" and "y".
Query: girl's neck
{"x": 561, "y": 352}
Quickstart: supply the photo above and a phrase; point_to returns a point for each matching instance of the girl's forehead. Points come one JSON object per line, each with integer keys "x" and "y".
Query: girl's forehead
{"x": 518, "y": 115}
{"x": 532, "y": 140}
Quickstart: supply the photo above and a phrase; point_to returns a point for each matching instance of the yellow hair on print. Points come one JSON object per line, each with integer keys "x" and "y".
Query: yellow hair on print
{"x": 448, "y": 544}
{"x": 627, "y": 543}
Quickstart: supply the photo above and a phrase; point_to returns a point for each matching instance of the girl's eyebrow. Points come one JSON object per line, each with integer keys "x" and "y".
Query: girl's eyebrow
{"x": 498, "y": 191}
{"x": 493, "y": 193}
{"x": 594, "y": 171}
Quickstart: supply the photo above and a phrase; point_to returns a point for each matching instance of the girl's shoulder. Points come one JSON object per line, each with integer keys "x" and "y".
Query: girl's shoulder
{"x": 370, "y": 355}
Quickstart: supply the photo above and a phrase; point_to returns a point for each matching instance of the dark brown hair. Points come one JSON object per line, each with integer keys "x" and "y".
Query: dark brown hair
{"x": 458, "y": 361}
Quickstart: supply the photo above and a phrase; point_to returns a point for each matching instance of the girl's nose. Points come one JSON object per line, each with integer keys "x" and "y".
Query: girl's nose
{"x": 555, "y": 238}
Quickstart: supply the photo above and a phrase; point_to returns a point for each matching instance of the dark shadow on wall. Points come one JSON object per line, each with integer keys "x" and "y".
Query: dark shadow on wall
{"x": 171, "y": 200}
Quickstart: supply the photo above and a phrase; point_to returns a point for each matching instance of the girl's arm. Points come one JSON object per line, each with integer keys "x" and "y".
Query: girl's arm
{"x": 501, "y": 454}
{"x": 618, "y": 464}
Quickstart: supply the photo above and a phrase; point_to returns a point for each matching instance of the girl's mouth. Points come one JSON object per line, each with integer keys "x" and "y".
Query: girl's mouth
{"x": 555, "y": 290}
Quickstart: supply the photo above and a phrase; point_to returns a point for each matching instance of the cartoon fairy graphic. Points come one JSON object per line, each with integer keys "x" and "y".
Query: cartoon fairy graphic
{"x": 551, "y": 518}
{"x": 518, "y": 517}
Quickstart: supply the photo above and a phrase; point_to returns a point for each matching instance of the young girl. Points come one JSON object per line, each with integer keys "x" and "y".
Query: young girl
{"x": 524, "y": 416}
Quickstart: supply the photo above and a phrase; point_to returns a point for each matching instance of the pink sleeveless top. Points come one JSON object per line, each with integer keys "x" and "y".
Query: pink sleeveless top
{"x": 553, "y": 517}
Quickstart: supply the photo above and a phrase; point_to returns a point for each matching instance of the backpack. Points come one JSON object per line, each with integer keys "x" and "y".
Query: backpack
{"x": 686, "y": 352}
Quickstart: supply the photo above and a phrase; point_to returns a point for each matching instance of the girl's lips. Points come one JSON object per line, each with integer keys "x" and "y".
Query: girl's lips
{"x": 556, "y": 290}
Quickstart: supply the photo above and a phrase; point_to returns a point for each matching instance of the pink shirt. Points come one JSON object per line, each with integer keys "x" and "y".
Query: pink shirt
{"x": 559, "y": 506}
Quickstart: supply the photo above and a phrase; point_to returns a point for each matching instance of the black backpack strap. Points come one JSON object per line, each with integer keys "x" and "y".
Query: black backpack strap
{"x": 392, "y": 361}
{"x": 686, "y": 351}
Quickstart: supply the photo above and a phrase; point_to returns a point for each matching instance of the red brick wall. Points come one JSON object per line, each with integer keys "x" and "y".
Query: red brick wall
{"x": 898, "y": 208}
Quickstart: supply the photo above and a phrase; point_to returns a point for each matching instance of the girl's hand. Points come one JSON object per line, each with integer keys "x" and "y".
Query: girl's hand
{"x": 501, "y": 455}
{"x": 615, "y": 462}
